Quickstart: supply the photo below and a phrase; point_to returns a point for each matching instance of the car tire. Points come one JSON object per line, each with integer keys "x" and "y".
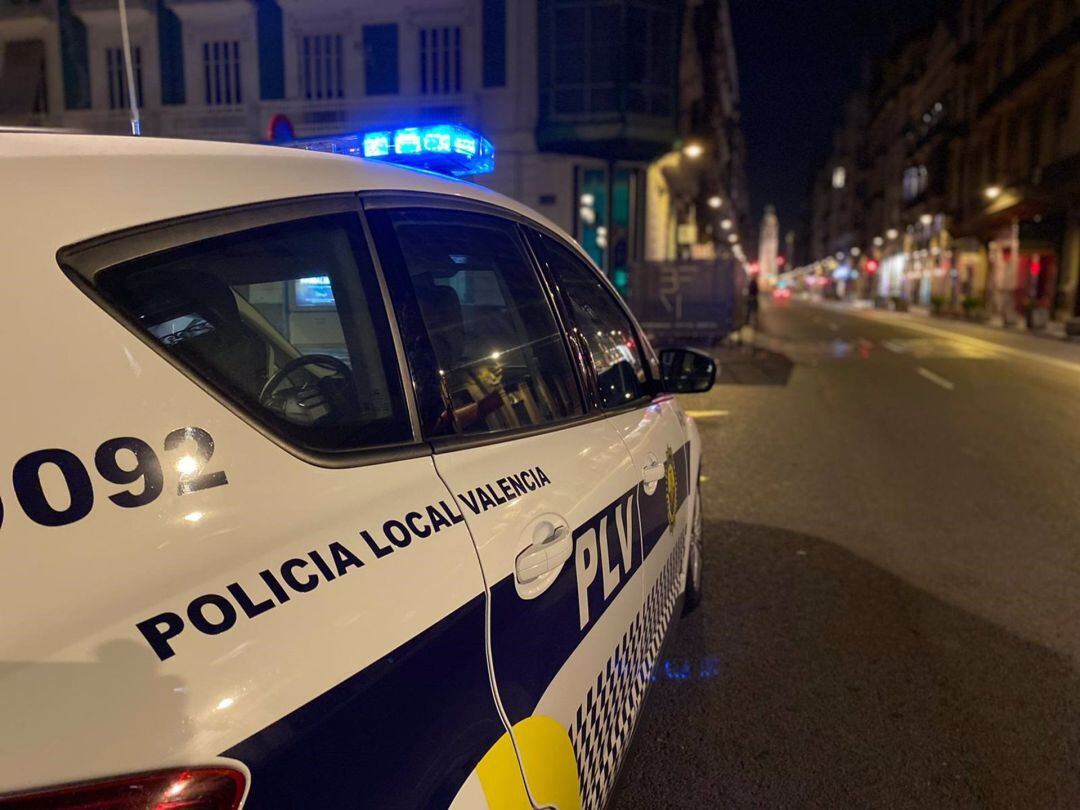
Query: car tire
{"x": 695, "y": 564}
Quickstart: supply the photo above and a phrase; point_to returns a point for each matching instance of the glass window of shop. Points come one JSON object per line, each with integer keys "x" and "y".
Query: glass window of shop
{"x": 608, "y": 218}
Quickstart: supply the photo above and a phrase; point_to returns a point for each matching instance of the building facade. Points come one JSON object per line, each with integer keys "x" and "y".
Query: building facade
{"x": 970, "y": 166}
{"x": 579, "y": 96}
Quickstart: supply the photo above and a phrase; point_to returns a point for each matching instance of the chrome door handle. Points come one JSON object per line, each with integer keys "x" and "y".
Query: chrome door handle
{"x": 544, "y": 556}
{"x": 653, "y": 472}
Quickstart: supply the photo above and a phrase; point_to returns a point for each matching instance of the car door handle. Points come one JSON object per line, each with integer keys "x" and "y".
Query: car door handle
{"x": 544, "y": 556}
{"x": 653, "y": 472}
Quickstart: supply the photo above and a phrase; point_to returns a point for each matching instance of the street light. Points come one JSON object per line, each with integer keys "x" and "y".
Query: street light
{"x": 892, "y": 233}
{"x": 715, "y": 202}
{"x": 992, "y": 192}
{"x": 732, "y": 238}
{"x": 693, "y": 150}
{"x": 926, "y": 219}
{"x": 855, "y": 251}
{"x": 878, "y": 241}
{"x": 726, "y": 224}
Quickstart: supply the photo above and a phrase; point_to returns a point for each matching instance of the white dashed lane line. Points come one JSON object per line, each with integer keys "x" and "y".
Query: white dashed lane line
{"x": 707, "y": 414}
{"x": 936, "y": 379}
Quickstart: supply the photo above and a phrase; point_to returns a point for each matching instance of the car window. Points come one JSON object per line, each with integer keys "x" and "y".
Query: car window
{"x": 285, "y": 320}
{"x": 598, "y": 317}
{"x": 501, "y": 356}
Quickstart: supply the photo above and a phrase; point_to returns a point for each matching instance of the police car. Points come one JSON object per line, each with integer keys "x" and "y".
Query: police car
{"x": 326, "y": 483}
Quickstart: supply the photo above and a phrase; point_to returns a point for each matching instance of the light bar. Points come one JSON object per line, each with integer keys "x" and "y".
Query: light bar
{"x": 444, "y": 148}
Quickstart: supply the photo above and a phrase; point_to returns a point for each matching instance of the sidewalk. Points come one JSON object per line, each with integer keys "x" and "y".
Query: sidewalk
{"x": 1016, "y": 339}
{"x": 1055, "y": 330}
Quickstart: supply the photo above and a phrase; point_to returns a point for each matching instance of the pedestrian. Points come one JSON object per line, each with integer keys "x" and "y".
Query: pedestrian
{"x": 752, "y": 302}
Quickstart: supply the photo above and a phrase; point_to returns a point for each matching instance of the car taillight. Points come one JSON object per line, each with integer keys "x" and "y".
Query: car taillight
{"x": 190, "y": 789}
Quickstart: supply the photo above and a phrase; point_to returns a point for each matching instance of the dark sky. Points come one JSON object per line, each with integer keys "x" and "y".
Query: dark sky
{"x": 797, "y": 60}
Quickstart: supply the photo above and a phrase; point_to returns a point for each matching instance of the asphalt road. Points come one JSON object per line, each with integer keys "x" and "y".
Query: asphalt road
{"x": 892, "y": 606}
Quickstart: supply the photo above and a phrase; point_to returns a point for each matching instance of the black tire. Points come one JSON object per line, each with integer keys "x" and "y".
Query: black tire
{"x": 695, "y": 565}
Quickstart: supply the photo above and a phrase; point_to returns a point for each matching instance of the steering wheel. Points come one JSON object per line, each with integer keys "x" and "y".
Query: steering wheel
{"x": 334, "y": 399}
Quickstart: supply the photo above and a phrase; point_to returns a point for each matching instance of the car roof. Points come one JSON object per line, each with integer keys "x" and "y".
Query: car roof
{"x": 64, "y": 188}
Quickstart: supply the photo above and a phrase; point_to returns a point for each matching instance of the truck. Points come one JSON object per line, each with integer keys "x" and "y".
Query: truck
{"x": 696, "y": 301}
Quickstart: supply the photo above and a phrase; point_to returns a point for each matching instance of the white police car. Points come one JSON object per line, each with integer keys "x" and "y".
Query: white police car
{"x": 325, "y": 484}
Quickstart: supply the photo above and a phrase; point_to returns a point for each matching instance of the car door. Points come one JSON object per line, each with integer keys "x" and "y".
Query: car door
{"x": 272, "y": 569}
{"x": 548, "y": 489}
{"x": 652, "y": 425}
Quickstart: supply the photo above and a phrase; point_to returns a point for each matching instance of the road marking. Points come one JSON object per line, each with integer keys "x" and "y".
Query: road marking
{"x": 935, "y": 378}
{"x": 707, "y": 414}
{"x": 903, "y": 322}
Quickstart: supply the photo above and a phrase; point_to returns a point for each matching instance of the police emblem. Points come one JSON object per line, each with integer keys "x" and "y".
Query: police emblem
{"x": 672, "y": 480}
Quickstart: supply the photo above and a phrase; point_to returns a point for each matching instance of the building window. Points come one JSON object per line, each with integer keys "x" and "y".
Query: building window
{"x": 23, "y": 78}
{"x": 916, "y": 179}
{"x": 322, "y": 73}
{"x": 116, "y": 72}
{"x": 440, "y": 60}
{"x": 651, "y": 61}
{"x": 494, "y": 43}
{"x": 380, "y": 59}
{"x": 221, "y": 72}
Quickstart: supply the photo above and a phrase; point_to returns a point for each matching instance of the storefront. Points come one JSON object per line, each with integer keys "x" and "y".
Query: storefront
{"x": 608, "y": 220}
{"x": 969, "y": 270}
{"x": 891, "y": 276}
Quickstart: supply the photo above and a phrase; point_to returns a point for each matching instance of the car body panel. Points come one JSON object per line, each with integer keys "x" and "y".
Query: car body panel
{"x": 372, "y": 687}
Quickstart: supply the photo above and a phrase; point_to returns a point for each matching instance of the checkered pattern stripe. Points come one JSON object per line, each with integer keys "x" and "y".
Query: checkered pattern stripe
{"x": 604, "y": 721}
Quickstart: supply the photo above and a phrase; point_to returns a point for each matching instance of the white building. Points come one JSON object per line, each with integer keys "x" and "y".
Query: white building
{"x": 578, "y": 96}
{"x": 769, "y": 245}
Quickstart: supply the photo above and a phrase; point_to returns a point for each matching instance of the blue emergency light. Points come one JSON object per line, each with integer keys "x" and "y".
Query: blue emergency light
{"x": 444, "y": 148}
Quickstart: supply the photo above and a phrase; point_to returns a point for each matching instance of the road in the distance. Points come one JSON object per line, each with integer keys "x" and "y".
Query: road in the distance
{"x": 892, "y": 609}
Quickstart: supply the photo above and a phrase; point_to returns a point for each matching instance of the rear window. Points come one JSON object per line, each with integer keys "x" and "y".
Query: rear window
{"x": 286, "y": 321}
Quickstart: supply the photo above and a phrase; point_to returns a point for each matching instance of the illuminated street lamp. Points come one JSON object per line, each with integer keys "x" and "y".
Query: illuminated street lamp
{"x": 732, "y": 238}
{"x": 878, "y": 241}
{"x": 855, "y": 251}
{"x": 693, "y": 150}
{"x": 892, "y": 233}
{"x": 726, "y": 224}
{"x": 715, "y": 202}
{"x": 926, "y": 219}
{"x": 992, "y": 192}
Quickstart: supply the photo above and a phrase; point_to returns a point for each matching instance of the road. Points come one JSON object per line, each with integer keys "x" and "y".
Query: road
{"x": 892, "y": 591}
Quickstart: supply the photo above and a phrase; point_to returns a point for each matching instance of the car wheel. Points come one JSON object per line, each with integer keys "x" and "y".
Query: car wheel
{"x": 696, "y": 563}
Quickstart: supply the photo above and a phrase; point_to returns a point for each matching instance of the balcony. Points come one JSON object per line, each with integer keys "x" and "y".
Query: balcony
{"x": 211, "y": 11}
{"x": 43, "y": 10}
{"x": 210, "y": 123}
{"x": 608, "y": 79}
{"x": 81, "y": 7}
{"x": 107, "y": 12}
{"x": 1057, "y": 47}
{"x": 111, "y": 122}
{"x": 336, "y": 116}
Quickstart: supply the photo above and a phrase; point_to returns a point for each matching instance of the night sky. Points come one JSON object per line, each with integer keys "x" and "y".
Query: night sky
{"x": 798, "y": 59}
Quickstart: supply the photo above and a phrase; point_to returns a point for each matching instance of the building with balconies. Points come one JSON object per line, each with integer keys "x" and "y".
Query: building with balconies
{"x": 1017, "y": 172}
{"x": 579, "y": 96}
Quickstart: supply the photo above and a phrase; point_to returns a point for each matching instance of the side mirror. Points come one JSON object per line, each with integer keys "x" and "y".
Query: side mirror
{"x": 686, "y": 371}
